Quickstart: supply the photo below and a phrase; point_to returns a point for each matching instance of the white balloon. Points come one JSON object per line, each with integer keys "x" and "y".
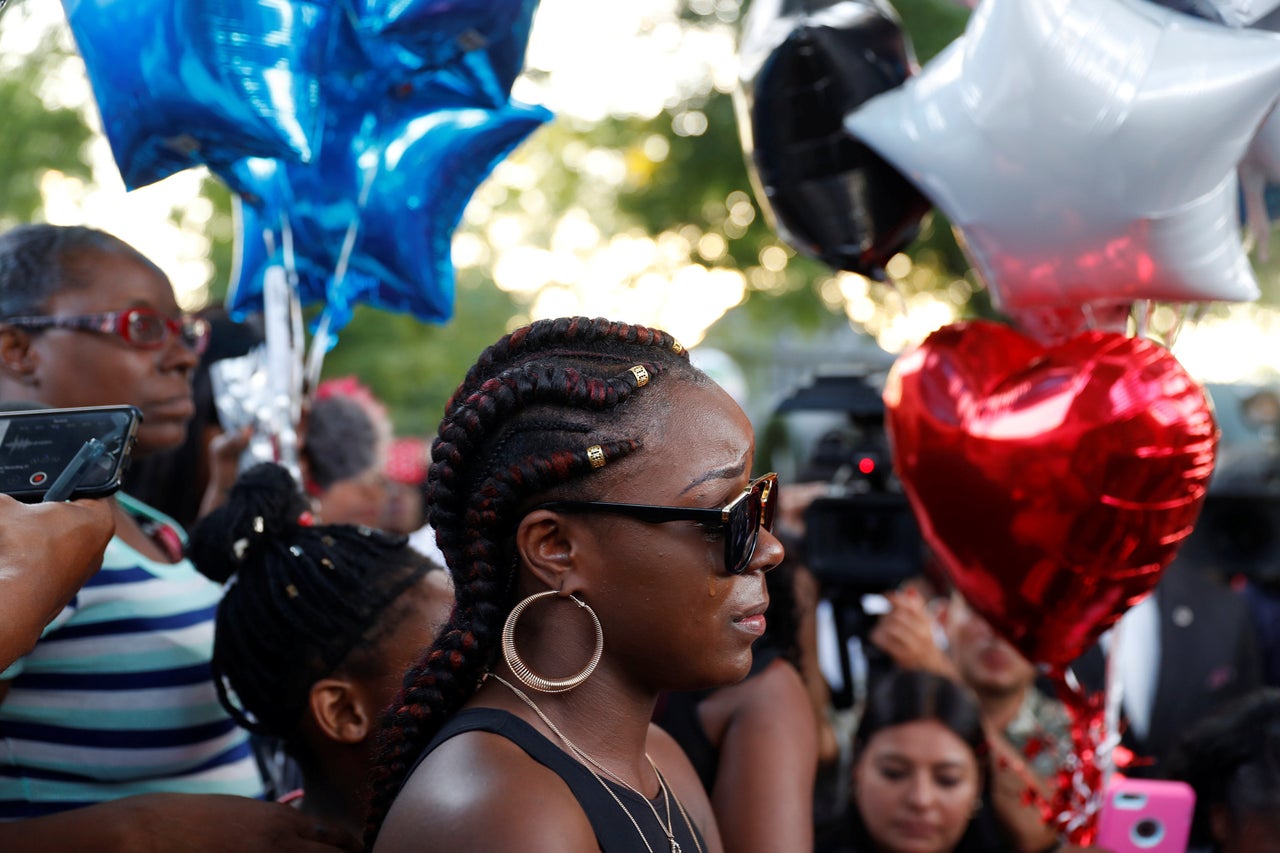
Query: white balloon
{"x": 1245, "y": 13}
{"x": 1086, "y": 150}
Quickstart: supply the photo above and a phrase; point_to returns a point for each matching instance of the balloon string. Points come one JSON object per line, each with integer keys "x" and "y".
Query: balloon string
{"x": 1113, "y": 700}
{"x": 319, "y": 347}
{"x": 321, "y": 341}
{"x": 1188, "y": 314}
{"x": 297, "y": 338}
{"x": 1142, "y": 319}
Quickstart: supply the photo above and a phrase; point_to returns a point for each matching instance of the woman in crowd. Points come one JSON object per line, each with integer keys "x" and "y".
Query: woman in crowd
{"x": 315, "y": 632}
{"x": 188, "y": 481}
{"x": 592, "y": 495}
{"x": 918, "y": 769}
{"x": 406, "y": 475}
{"x": 344, "y": 446}
{"x": 116, "y": 699}
{"x": 1232, "y": 760}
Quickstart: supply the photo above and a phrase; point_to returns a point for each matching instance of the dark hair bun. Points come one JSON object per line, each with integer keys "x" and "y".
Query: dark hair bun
{"x": 264, "y": 507}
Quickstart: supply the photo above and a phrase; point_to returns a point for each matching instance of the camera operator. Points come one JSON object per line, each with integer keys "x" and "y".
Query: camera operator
{"x": 47, "y": 552}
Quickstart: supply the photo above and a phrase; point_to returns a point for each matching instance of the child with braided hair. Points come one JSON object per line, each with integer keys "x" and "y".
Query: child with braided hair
{"x": 591, "y": 492}
{"x": 314, "y": 631}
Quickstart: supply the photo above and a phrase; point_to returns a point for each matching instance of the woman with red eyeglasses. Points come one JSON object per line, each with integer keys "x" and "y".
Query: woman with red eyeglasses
{"x": 591, "y": 492}
{"x": 111, "y": 734}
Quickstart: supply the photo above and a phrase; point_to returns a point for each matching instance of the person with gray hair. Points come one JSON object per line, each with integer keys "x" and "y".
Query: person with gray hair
{"x": 344, "y": 446}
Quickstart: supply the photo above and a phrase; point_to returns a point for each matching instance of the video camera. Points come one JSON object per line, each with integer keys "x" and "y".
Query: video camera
{"x": 861, "y": 536}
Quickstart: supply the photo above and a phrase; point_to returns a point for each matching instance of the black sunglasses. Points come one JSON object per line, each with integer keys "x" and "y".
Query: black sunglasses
{"x": 742, "y": 517}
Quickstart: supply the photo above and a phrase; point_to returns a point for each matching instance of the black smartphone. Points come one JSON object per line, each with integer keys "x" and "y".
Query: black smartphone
{"x": 64, "y": 454}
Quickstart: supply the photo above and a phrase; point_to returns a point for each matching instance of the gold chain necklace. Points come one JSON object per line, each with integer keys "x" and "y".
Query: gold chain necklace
{"x": 668, "y": 828}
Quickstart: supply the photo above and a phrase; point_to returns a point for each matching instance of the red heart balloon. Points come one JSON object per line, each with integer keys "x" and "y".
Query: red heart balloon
{"x": 1054, "y": 483}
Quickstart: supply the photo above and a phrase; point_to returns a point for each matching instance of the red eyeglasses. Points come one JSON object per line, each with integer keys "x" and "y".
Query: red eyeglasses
{"x": 742, "y": 517}
{"x": 144, "y": 328}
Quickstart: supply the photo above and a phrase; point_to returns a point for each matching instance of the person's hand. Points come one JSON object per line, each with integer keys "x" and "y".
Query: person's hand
{"x": 1012, "y": 779}
{"x": 905, "y": 634}
{"x": 56, "y": 535}
{"x": 793, "y": 501}
{"x": 225, "y": 450}
{"x": 47, "y": 552}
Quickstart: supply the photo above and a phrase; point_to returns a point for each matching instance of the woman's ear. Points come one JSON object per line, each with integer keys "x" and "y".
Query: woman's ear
{"x": 339, "y": 711}
{"x": 17, "y": 359}
{"x": 545, "y": 543}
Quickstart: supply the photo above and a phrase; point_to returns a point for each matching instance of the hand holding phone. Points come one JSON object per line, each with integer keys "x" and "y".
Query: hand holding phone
{"x": 1146, "y": 816}
{"x": 65, "y": 454}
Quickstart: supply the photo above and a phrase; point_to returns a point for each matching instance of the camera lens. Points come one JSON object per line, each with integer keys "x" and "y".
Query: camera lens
{"x": 1147, "y": 832}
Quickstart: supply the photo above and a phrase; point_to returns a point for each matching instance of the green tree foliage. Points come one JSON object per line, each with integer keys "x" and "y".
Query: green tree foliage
{"x": 38, "y": 138}
{"x": 414, "y": 367}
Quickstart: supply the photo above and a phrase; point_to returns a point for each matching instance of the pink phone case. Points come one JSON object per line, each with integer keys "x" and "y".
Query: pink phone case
{"x": 1146, "y": 816}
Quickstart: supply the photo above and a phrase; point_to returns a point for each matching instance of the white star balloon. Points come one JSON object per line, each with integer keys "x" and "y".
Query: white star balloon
{"x": 1086, "y": 151}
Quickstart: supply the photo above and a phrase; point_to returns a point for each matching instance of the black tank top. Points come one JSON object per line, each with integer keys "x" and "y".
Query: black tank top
{"x": 614, "y": 831}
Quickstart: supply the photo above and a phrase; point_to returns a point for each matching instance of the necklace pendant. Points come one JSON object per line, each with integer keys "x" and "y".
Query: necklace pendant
{"x": 675, "y": 846}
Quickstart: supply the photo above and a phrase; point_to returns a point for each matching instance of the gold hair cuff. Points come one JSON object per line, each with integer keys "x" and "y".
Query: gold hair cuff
{"x": 641, "y": 375}
{"x": 677, "y": 347}
{"x": 595, "y": 455}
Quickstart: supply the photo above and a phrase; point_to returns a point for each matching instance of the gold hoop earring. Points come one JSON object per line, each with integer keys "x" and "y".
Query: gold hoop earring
{"x": 520, "y": 669}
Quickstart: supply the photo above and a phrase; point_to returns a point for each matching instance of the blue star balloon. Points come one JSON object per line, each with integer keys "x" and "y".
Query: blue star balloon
{"x": 377, "y": 207}
{"x": 184, "y": 82}
{"x": 482, "y": 39}
{"x": 430, "y": 167}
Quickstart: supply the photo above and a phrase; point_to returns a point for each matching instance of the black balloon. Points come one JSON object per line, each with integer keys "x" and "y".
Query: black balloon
{"x": 804, "y": 67}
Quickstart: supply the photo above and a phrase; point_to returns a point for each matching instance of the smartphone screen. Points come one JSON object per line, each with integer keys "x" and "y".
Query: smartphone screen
{"x": 37, "y": 445}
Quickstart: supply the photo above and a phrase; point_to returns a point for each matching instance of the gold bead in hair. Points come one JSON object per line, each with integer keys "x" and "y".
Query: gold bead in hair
{"x": 595, "y": 455}
{"x": 677, "y": 347}
{"x": 641, "y": 375}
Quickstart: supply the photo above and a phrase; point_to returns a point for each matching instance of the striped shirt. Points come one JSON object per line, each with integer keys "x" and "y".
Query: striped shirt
{"x": 117, "y": 698}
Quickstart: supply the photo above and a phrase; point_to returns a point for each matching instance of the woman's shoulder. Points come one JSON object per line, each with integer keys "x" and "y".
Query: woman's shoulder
{"x": 480, "y": 789}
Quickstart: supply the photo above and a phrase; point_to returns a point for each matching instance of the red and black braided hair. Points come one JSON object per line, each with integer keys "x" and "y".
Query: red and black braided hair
{"x": 518, "y": 427}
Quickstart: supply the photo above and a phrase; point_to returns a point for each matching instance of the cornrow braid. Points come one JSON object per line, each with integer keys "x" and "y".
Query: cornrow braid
{"x": 518, "y": 428}
{"x": 300, "y": 599}
{"x": 566, "y": 336}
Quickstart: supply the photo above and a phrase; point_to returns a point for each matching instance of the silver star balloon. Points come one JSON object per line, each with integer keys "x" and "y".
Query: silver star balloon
{"x": 1086, "y": 151}
{"x": 1260, "y": 167}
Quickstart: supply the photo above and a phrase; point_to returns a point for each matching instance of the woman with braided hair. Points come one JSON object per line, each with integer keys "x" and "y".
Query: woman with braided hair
{"x": 592, "y": 494}
{"x": 317, "y": 625}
